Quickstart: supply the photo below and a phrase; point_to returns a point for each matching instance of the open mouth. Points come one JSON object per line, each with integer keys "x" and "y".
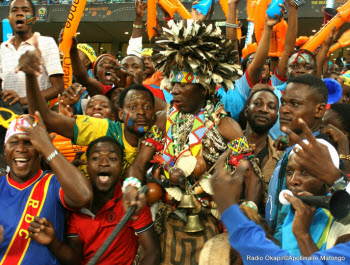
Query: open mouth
{"x": 19, "y": 23}
{"x": 177, "y": 102}
{"x": 21, "y": 162}
{"x": 108, "y": 76}
{"x": 103, "y": 177}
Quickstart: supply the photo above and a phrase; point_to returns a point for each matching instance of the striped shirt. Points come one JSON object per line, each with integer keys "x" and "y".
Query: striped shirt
{"x": 9, "y": 58}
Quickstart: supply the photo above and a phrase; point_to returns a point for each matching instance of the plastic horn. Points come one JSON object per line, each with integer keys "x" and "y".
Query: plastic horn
{"x": 181, "y": 9}
{"x": 251, "y": 4}
{"x": 259, "y": 18}
{"x": 338, "y": 203}
{"x": 328, "y": 14}
{"x": 151, "y": 17}
{"x": 343, "y": 41}
{"x": 224, "y": 6}
{"x": 203, "y": 6}
{"x": 70, "y": 29}
{"x": 337, "y": 21}
{"x": 99, "y": 253}
{"x": 169, "y": 7}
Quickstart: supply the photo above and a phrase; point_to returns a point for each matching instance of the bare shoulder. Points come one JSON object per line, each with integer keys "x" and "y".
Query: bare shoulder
{"x": 161, "y": 118}
{"x": 229, "y": 129}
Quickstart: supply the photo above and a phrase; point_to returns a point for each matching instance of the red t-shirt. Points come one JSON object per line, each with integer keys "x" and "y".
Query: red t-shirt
{"x": 94, "y": 230}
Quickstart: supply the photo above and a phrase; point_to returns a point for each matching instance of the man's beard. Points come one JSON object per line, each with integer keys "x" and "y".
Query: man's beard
{"x": 260, "y": 129}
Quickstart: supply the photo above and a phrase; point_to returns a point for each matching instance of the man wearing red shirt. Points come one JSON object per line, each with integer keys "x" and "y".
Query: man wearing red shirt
{"x": 90, "y": 227}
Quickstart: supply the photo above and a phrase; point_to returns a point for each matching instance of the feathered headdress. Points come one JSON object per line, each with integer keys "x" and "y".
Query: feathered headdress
{"x": 191, "y": 52}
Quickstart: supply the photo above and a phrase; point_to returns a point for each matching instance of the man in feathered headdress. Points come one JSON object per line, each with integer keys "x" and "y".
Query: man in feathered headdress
{"x": 194, "y": 59}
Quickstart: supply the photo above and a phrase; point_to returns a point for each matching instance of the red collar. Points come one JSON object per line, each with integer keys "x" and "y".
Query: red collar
{"x": 26, "y": 184}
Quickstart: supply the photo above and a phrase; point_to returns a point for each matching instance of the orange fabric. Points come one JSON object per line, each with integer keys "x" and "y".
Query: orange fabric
{"x": 66, "y": 148}
{"x": 337, "y": 21}
{"x": 154, "y": 79}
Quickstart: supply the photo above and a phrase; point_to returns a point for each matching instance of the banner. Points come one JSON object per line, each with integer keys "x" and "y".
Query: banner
{"x": 70, "y": 29}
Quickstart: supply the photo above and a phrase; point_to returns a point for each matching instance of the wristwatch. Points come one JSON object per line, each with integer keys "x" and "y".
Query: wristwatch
{"x": 341, "y": 183}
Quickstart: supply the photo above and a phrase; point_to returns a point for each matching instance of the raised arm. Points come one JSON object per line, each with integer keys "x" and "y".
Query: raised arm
{"x": 291, "y": 37}
{"x": 262, "y": 52}
{"x": 76, "y": 188}
{"x": 80, "y": 73}
{"x": 29, "y": 63}
{"x": 231, "y": 33}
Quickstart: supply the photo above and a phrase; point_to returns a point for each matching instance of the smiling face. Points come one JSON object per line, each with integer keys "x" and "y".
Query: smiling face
{"x": 138, "y": 111}
{"x": 22, "y": 158}
{"x": 187, "y": 97}
{"x": 301, "y": 64}
{"x": 103, "y": 69}
{"x": 104, "y": 166}
{"x": 262, "y": 111}
{"x": 99, "y": 107}
{"x": 298, "y": 101}
{"x": 298, "y": 179}
{"x": 21, "y": 16}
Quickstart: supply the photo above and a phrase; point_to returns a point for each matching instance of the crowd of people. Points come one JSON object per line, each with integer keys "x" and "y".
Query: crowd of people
{"x": 216, "y": 138}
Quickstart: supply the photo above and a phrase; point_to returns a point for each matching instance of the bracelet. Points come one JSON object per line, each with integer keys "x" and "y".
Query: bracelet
{"x": 166, "y": 19}
{"x": 51, "y": 156}
{"x": 346, "y": 157}
{"x": 250, "y": 204}
{"x": 230, "y": 25}
{"x": 131, "y": 181}
{"x": 137, "y": 26}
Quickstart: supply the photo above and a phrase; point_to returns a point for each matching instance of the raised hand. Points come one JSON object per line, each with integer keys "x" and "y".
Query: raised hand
{"x": 30, "y": 62}
{"x": 64, "y": 108}
{"x": 42, "y": 231}
{"x": 338, "y": 137}
{"x": 313, "y": 157}
{"x": 130, "y": 198}
{"x": 39, "y": 137}
{"x": 72, "y": 94}
{"x": 227, "y": 187}
{"x": 270, "y": 22}
{"x": 140, "y": 8}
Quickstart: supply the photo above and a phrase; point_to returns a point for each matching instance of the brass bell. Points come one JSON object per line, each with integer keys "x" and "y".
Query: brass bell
{"x": 193, "y": 224}
{"x": 187, "y": 202}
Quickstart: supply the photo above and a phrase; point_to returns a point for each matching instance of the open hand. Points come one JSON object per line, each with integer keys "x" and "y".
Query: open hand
{"x": 313, "y": 157}
{"x": 42, "y": 231}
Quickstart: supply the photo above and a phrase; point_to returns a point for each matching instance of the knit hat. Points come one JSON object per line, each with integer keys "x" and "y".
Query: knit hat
{"x": 98, "y": 59}
{"x": 88, "y": 50}
{"x": 191, "y": 52}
